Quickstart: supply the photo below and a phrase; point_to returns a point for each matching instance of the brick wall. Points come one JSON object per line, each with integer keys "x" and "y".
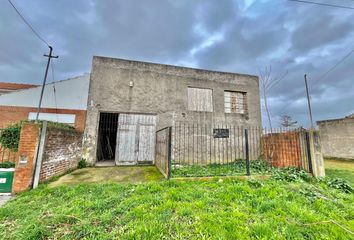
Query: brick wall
{"x": 283, "y": 149}
{"x": 27, "y": 150}
{"x": 62, "y": 152}
{"x": 10, "y": 115}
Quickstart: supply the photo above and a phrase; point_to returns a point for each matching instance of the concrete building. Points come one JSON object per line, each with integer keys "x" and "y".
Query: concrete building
{"x": 130, "y": 100}
{"x": 337, "y": 137}
{"x": 67, "y": 105}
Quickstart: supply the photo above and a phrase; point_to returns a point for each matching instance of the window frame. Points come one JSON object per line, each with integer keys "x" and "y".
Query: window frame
{"x": 244, "y": 104}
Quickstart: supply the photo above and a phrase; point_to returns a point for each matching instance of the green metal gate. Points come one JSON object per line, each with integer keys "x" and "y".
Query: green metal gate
{"x": 6, "y": 179}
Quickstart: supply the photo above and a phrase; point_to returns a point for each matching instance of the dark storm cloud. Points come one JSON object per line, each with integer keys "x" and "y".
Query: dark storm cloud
{"x": 238, "y": 36}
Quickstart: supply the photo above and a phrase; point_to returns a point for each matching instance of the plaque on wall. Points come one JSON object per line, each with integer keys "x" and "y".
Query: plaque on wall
{"x": 221, "y": 133}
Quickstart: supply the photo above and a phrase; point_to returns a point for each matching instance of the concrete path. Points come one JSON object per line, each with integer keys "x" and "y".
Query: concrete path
{"x": 110, "y": 174}
{"x": 4, "y": 199}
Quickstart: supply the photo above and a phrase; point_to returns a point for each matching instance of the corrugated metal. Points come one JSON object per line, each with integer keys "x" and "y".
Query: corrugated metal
{"x": 135, "y": 138}
{"x": 200, "y": 99}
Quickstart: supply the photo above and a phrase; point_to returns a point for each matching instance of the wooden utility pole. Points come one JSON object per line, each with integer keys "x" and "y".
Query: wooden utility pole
{"x": 50, "y": 56}
{"x": 308, "y": 101}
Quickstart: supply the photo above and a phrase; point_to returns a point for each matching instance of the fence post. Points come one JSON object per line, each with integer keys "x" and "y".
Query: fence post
{"x": 247, "y": 154}
{"x": 308, "y": 152}
{"x": 169, "y": 152}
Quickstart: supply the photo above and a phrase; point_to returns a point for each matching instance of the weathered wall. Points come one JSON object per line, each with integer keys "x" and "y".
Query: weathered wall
{"x": 62, "y": 152}
{"x": 10, "y": 115}
{"x": 337, "y": 138}
{"x": 162, "y": 90}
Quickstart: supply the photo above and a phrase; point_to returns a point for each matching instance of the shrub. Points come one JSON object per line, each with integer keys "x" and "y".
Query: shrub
{"x": 7, "y": 165}
{"x": 291, "y": 174}
{"x": 340, "y": 184}
{"x": 10, "y": 136}
{"x": 82, "y": 163}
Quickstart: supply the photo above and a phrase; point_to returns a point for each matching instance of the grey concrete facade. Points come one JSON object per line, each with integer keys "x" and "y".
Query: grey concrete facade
{"x": 337, "y": 137}
{"x": 124, "y": 86}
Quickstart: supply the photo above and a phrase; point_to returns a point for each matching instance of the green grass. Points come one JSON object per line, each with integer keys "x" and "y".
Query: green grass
{"x": 217, "y": 209}
{"x": 340, "y": 168}
{"x": 235, "y": 168}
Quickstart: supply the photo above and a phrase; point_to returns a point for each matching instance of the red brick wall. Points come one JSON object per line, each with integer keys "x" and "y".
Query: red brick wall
{"x": 62, "y": 152}
{"x": 10, "y": 115}
{"x": 23, "y": 176}
{"x": 283, "y": 149}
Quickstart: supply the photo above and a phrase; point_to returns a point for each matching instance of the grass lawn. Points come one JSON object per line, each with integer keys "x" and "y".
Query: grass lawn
{"x": 235, "y": 168}
{"x": 216, "y": 209}
{"x": 337, "y": 168}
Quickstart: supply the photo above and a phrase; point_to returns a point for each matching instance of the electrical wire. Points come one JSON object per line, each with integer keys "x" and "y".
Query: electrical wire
{"x": 322, "y": 76}
{"x": 28, "y": 24}
{"x": 322, "y": 4}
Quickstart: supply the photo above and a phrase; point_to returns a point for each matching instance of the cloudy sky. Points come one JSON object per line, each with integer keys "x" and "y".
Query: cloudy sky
{"x": 241, "y": 36}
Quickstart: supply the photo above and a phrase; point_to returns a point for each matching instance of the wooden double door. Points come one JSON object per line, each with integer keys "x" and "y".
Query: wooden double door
{"x": 135, "y": 139}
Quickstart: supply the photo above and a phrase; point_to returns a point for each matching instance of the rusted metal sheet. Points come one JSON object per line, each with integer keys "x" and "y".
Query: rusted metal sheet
{"x": 200, "y": 99}
{"x": 135, "y": 139}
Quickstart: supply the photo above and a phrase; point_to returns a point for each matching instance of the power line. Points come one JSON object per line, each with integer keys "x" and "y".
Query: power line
{"x": 322, "y": 76}
{"x": 28, "y": 24}
{"x": 334, "y": 66}
{"x": 322, "y": 4}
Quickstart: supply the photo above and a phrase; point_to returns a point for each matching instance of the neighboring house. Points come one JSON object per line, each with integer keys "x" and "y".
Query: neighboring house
{"x": 129, "y": 100}
{"x": 337, "y": 137}
{"x": 6, "y": 87}
{"x": 67, "y": 105}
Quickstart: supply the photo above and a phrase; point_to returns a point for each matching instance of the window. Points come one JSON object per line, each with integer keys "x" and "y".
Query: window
{"x": 200, "y": 99}
{"x": 235, "y": 102}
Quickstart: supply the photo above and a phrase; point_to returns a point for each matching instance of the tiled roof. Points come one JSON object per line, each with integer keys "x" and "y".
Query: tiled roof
{"x": 15, "y": 86}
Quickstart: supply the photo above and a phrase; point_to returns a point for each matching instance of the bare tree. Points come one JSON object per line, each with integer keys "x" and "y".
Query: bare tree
{"x": 287, "y": 121}
{"x": 267, "y": 82}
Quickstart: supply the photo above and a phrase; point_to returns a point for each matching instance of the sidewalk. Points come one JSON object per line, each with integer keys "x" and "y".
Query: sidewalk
{"x": 4, "y": 199}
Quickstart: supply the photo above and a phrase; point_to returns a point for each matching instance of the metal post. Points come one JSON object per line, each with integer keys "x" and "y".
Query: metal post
{"x": 308, "y": 101}
{"x": 247, "y": 154}
{"x": 50, "y": 56}
{"x": 169, "y": 152}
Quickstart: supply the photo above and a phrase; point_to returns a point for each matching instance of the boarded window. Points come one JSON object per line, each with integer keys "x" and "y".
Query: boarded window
{"x": 200, "y": 99}
{"x": 235, "y": 102}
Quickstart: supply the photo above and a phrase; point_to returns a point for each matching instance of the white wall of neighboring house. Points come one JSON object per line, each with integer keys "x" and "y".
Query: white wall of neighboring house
{"x": 70, "y": 94}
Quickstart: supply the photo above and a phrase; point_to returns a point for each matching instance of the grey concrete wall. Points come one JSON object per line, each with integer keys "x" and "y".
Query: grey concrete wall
{"x": 162, "y": 90}
{"x": 337, "y": 138}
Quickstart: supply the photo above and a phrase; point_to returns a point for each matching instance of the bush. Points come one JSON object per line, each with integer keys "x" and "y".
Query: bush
{"x": 7, "y": 165}
{"x": 82, "y": 163}
{"x": 340, "y": 184}
{"x": 10, "y": 136}
{"x": 291, "y": 174}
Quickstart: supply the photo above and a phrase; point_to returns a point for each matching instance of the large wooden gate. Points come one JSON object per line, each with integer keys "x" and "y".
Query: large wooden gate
{"x": 135, "y": 139}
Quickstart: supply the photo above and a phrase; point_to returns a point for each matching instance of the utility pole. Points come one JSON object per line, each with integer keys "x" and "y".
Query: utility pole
{"x": 308, "y": 101}
{"x": 50, "y": 56}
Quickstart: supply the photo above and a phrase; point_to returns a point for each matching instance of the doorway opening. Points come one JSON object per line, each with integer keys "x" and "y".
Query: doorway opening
{"x": 107, "y": 137}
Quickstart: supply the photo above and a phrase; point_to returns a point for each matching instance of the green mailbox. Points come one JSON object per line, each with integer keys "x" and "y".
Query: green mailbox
{"x": 6, "y": 179}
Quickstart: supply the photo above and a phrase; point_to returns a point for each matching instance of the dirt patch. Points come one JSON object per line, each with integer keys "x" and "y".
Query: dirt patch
{"x": 134, "y": 174}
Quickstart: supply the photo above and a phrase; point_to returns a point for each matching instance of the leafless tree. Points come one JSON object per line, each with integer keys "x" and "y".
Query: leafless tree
{"x": 267, "y": 82}
{"x": 287, "y": 121}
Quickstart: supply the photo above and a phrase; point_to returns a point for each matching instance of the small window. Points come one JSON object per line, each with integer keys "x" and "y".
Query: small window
{"x": 200, "y": 99}
{"x": 235, "y": 102}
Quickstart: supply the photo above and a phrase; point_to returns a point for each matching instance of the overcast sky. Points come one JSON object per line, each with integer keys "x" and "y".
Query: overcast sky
{"x": 240, "y": 36}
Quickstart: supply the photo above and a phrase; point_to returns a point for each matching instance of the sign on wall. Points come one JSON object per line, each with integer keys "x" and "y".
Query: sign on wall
{"x": 221, "y": 133}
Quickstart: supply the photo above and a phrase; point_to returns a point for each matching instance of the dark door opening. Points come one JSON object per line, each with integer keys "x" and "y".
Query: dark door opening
{"x": 107, "y": 136}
